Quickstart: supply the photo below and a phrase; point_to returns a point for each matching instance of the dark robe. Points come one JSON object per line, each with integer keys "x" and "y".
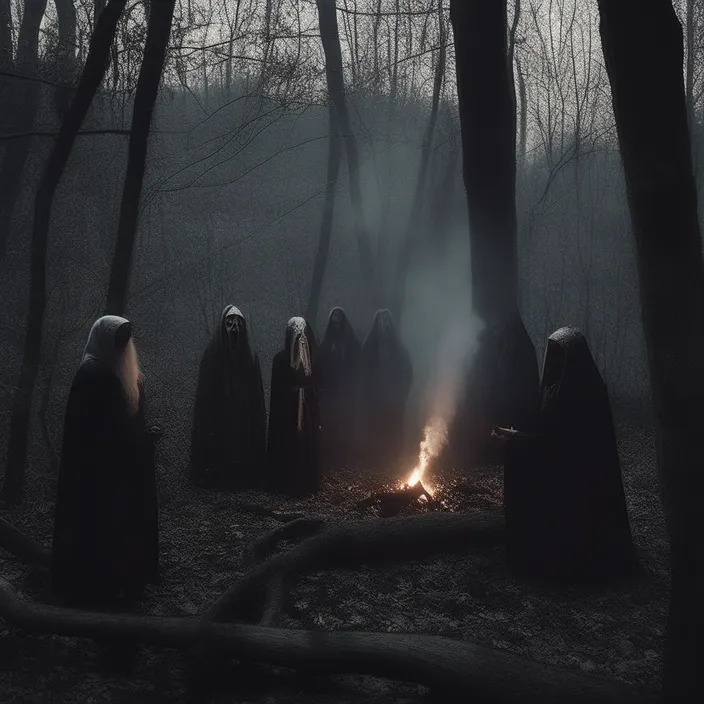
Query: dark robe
{"x": 502, "y": 388}
{"x": 293, "y": 460}
{"x": 565, "y": 505}
{"x": 337, "y": 370}
{"x": 387, "y": 375}
{"x": 228, "y": 441}
{"x": 105, "y": 546}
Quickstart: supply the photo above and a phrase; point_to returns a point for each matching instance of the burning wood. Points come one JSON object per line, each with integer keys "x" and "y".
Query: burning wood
{"x": 391, "y": 503}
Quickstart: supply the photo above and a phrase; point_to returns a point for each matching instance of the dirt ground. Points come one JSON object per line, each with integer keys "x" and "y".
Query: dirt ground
{"x": 617, "y": 632}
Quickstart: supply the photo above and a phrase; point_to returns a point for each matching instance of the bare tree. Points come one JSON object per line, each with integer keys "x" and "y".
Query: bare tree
{"x": 321, "y": 254}
{"x": 643, "y": 52}
{"x": 95, "y": 68}
{"x": 26, "y": 102}
{"x": 65, "y": 55}
{"x": 6, "y": 54}
{"x": 158, "y": 32}
{"x": 330, "y": 37}
{"x": 487, "y": 116}
{"x": 410, "y": 241}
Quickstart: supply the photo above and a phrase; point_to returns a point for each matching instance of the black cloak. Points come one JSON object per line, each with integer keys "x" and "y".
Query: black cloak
{"x": 228, "y": 442}
{"x": 503, "y": 388}
{"x": 387, "y": 375}
{"x": 294, "y": 417}
{"x": 105, "y": 543}
{"x": 337, "y": 370}
{"x": 566, "y": 512}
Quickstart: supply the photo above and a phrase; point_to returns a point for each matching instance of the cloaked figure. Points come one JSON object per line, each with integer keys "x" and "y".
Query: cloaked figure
{"x": 566, "y": 514}
{"x": 503, "y": 388}
{"x": 338, "y": 381}
{"x": 387, "y": 375}
{"x": 294, "y": 466}
{"x": 105, "y": 546}
{"x": 228, "y": 442}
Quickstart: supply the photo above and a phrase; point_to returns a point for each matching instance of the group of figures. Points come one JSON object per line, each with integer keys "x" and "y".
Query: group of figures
{"x": 331, "y": 405}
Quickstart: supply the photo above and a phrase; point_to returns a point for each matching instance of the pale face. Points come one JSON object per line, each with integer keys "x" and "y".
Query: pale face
{"x": 337, "y": 321}
{"x": 234, "y": 324}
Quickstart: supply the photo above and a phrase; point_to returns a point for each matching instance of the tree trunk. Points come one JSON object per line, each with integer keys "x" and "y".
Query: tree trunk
{"x": 6, "y": 54}
{"x": 523, "y": 124}
{"x": 25, "y": 97}
{"x": 643, "y": 53}
{"x": 321, "y": 254}
{"x": 689, "y": 76}
{"x": 410, "y": 241}
{"x": 330, "y": 37}
{"x": 65, "y": 55}
{"x": 158, "y": 32}
{"x": 96, "y": 65}
{"x": 488, "y": 126}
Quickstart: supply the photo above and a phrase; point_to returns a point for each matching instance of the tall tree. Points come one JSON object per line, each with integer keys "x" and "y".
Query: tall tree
{"x": 26, "y": 103}
{"x": 93, "y": 72}
{"x": 411, "y": 235}
{"x": 65, "y": 55}
{"x": 506, "y": 390}
{"x": 643, "y": 53}
{"x": 6, "y": 57}
{"x": 158, "y": 32}
{"x": 321, "y": 254}
{"x": 330, "y": 38}
{"x": 488, "y": 127}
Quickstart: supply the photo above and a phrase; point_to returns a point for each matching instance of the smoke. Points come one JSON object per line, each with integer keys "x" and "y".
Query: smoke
{"x": 441, "y": 331}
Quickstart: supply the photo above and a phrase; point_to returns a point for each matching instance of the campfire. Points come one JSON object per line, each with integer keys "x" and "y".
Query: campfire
{"x": 454, "y": 352}
{"x": 393, "y": 502}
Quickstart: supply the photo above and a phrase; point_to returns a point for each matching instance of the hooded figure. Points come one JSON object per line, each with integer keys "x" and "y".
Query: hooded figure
{"x": 338, "y": 376}
{"x": 387, "y": 375}
{"x": 105, "y": 546}
{"x": 294, "y": 418}
{"x": 566, "y": 513}
{"x": 502, "y": 388}
{"x": 228, "y": 443}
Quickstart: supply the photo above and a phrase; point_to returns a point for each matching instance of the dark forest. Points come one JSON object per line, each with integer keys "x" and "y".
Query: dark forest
{"x": 351, "y": 351}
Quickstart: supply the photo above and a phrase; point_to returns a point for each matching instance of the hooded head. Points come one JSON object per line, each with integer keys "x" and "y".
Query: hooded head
{"x": 382, "y": 336}
{"x": 298, "y": 345}
{"x": 233, "y": 330}
{"x": 110, "y": 343}
{"x": 569, "y": 371}
{"x": 338, "y": 332}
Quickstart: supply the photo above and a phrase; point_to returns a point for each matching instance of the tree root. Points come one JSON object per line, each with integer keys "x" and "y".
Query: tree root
{"x": 461, "y": 670}
{"x": 353, "y": 544}
{"x": 295, "y": 531}
{"x": 23, "y": 546}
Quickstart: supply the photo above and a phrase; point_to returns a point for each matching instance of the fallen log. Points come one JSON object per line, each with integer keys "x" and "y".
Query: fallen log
{"x": 295, "y": 531}
{"x": 357, "y": 543}
{"x": 23, "y": 546}
{"x": 462, "y": 671}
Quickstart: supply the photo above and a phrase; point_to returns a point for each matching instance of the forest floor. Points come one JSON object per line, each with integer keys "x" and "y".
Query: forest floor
{"x": 617, "y": 631}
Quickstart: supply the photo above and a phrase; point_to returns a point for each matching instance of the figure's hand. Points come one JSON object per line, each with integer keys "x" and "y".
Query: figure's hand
{"x": 156, "y": 431}
{"x": 503, "y": 434}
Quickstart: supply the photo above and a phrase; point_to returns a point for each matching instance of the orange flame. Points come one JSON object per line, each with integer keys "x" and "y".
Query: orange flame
{"x": 434, "y": 439}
